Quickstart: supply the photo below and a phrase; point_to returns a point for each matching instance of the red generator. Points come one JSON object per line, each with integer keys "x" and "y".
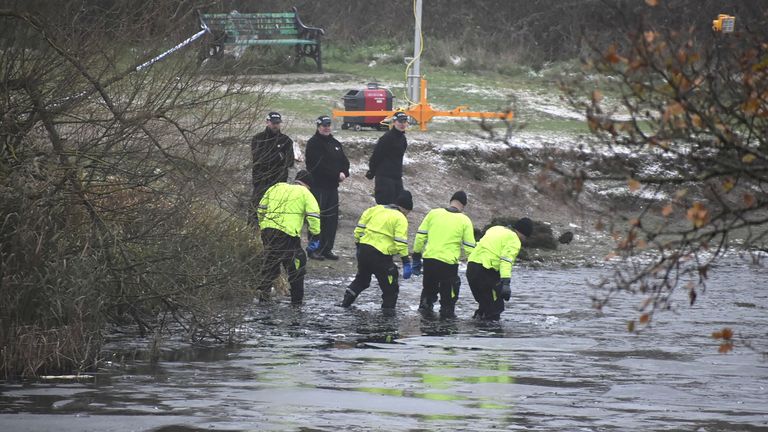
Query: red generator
{"x": 373, "y": 98}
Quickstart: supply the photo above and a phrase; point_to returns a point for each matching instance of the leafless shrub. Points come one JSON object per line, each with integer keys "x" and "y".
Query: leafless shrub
{"x": 118, "y": 200}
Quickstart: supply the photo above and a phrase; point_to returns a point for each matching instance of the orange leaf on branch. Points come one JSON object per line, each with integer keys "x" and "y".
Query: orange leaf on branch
{"x": 725, "y": 348}
{"x": 667, "y": 210}
{"x": 749, "y": 200}
{"x": 698, "y": 215}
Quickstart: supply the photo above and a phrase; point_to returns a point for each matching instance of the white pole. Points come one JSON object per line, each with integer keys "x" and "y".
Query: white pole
{"x": 415, "y": 75}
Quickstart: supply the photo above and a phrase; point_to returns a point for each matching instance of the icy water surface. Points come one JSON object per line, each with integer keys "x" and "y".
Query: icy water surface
{"x": 551, "y": 364}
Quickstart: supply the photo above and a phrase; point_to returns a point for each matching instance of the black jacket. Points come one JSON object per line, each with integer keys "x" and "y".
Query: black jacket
{"x": 325, "y": 160}
{"x": 387, "y": 157}
{"x": 272, "y": 156}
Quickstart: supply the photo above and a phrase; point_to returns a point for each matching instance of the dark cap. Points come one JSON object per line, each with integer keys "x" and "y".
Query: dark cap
{"x": 460, "y": 196}
{"x": 400, "y": 117}
{"x": 274, "y": 117}
{"x": 323, "y": 120}
{"x": 305, "y": 177}
{"x": 405, "y": 200}
{"x": 524, "y": 226}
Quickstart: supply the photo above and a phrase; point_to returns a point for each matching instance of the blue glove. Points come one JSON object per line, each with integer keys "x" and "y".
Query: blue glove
{"x": 416, "y": 264}
{"x": 506, "y": 291}
{"x": 313, "y": 245}
{"x": 407, "y": 270}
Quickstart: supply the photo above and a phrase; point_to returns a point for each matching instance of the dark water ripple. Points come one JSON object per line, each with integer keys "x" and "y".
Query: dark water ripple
{"x": 552, "y": 363}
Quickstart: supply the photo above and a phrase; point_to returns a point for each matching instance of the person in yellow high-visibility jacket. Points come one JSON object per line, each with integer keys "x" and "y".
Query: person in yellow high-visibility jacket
{"x": 489, "y": 266}
{"x": 440, "y": 237}
{"x": 382, "y": 233}
{"x": 281, "y": 214}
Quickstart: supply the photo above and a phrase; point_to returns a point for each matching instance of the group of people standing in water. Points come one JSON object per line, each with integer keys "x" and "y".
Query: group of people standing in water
{"x": 381, "y": 234}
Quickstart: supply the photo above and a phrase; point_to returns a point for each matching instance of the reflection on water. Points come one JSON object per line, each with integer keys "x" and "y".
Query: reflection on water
{"x": 552, "y": 363}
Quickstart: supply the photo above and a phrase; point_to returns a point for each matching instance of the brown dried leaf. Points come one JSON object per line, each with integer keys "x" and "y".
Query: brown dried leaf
{"x": 652, "y": 3}
{"x": 644, "y": 318}
{"x": 597, "y": 96}
{"x": 698, "y": 215}
{"x": 667, "y": 210}
{"x": 725, "y": 348}
{"x": 749, "y": 200}
{"x": 633, "y": 184}
{"x": 673, "y": 109}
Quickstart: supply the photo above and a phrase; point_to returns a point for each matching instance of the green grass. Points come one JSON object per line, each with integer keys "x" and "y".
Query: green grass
{"x": 448, "y": 87}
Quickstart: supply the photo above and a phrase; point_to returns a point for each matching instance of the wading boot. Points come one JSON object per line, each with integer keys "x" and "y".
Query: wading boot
{"x": 425, "y": 305}
{"x": 349, "y": 298}
{"x": 387, "y": 311}
{"x": 447, "y": 313}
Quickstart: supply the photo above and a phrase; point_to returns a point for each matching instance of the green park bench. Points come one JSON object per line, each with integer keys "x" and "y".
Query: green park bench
{"x": 252, "y": 29}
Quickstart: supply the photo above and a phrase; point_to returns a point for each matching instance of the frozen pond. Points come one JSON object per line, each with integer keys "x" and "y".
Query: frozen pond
{"x": 552, "y": 363}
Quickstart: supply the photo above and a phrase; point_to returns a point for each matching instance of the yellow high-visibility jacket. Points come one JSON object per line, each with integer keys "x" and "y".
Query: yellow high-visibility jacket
{"x": 284, "y": 207}
{"x": 497, "y": 250}
{"x": 384, "y": 227}
{"x": 442, "y": 233}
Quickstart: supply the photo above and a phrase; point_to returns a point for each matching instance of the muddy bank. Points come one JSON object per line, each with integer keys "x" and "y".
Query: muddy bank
{"x": 436, "y": 165}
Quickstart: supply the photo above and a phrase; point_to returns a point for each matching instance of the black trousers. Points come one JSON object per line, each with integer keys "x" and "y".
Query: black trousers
{"x": 443, "y": 279}
{"x": 328, "y": 200}
{"x": 484, "y": 282}
{"x": 371, "y": 262}
{"x": 386, "y": 189}
{"x": 282, "y": 249}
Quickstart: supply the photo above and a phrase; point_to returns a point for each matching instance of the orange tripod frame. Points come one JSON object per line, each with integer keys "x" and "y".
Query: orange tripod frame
{"x": 423, "y": 112}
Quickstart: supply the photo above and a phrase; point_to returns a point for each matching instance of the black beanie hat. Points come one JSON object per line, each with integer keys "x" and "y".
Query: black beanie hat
{"x": 460, "y": 196}
{"x": 305, "y": 177}
{"x": 524, "y": 226}
{"x": 405, "y": 200}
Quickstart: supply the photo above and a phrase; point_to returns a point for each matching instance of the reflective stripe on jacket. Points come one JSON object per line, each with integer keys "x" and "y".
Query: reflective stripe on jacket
{"x": 497, "y": 250}
{"x": 284, "y": 207}
{"x": 442, "y": 233}
{"x": 384, "y": 227}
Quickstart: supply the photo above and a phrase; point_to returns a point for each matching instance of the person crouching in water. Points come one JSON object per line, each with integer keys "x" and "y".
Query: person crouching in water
{"x": 381, "y": 233}
{"x": 440, "y": 236}
{"x": 281, "y": 213}
{"x": 489, "y": 267}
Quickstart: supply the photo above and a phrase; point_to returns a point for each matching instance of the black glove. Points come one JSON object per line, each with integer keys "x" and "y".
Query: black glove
{"x": 504, "y": 290}
{"x": 416, "y": 264}
{"x": 369, "y": 175}
{"x": 357, "y": 251}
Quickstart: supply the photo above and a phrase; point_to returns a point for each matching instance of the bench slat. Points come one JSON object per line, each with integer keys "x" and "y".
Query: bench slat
{"x": 249, "y": 15}
{"x": 273, "y": 42}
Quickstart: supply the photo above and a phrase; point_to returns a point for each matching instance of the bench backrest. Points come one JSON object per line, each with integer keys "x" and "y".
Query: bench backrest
{"x": 282, "y": 25}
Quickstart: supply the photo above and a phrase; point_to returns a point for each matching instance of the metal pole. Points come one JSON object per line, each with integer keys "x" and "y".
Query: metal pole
{"x": 413, "y": 78}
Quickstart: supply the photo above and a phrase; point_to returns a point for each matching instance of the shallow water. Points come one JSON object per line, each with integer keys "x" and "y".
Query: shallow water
{"x": 552, "y": 363}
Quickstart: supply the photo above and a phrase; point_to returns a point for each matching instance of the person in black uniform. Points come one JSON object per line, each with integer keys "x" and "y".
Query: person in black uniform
{"x": 272, "y": 153}
{"x": 386, "y": 163}
{"x": 329, "y": 167}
